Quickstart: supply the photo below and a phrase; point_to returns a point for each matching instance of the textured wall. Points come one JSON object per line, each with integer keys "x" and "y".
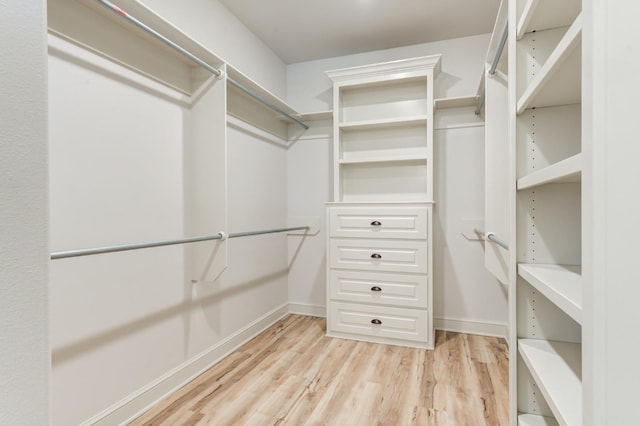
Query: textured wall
{"x": 24, "y": 353}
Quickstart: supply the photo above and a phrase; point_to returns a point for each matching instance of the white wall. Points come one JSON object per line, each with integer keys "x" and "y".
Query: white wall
{"x": 24, "y": 342}
{"x": 463, "y": 289}
{"x": 309, "y": 89}
{"x": 211, "y": 24}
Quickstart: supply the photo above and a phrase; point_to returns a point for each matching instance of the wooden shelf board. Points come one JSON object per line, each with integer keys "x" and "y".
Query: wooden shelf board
{"x": 558, "y": 82}
{"x": 149, "y": 17}
{"x": 539, "y": 15}
{"x": 316, "y": 115}
{"x": 260, "y": 91}
{"x": 561, "y": 284}
{"x": 565, "y": 171}
{"x": 390, "y": 122}
{"x": 387, "y": 159}
{"x": 556, "y": 368}
{"x": 535, "y": 420}
{"x": 457, "y": 102}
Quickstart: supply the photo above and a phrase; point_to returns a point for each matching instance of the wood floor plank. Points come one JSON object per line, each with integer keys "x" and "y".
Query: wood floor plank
{"x": 292, "y": 374}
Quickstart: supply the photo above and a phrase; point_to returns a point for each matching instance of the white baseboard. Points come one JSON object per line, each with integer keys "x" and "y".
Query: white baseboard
{"x": 137, "y": 403}
{"x": 308, "y": 310}
{"x": 495, "y": 329}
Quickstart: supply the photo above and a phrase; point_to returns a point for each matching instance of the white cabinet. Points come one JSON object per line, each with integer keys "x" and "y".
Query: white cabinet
{"x": 379, "y": 242}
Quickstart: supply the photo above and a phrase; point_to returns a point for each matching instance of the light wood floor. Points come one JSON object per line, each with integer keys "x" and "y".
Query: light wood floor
{"x": 292, "y": 374}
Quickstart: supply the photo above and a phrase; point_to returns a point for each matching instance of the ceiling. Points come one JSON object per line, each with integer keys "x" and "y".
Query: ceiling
{"x": 303, "y": 30}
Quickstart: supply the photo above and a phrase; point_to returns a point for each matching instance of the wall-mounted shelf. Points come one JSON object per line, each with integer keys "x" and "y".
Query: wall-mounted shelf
{"x": 316, "y": 115}
{"x": 566, "y": 171}
{"x": 259, "y": 90}
{"x": 561, "y": 284}
{"x": 457, "y": 102}
{"x": 556, "y": 368}
{"x": 246, "y": 108}
{"x": 558, "y": 82}
{"x": 92, "y": 26}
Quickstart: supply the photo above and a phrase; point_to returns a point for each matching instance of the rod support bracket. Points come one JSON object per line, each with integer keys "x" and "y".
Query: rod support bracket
{"x": 487, "y": 235}
{"x": 223, "y": 235}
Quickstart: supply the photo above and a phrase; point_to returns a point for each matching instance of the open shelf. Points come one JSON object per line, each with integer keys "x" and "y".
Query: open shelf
{"x": 539, "y": 15}
{"x": 382, "y": 123}
{"x": 257, "y": 89}
{"x": 534, "y": 420}
{"x": 565, "y": 171}
{"x": 316, "y": 115}
{"x": 558, "y": 82}
{"x": 457, "y": 102}
{"x": 388, "y": 159}
{"x": 92, "y": 26}
{"x": 556, "y": 367}
{"x": 561, "y": 284}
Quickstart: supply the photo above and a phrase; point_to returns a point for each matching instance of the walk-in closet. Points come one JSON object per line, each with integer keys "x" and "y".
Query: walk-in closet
{"x": 349, "y": 212}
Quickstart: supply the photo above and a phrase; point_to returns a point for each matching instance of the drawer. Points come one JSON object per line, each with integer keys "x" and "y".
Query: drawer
{"x": 378, "y": 222}
{"x": 379, "y": 255}
{"x": 382, "y": 288}
{"x": 379, "y": 321}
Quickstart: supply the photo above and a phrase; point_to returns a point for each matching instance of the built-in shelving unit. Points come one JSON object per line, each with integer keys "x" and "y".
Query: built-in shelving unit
{"x": 546, "y": 309}
{"x": 131, "y": 43}
{"x": 379, "y": 224}
{"x": 555, "y": 82}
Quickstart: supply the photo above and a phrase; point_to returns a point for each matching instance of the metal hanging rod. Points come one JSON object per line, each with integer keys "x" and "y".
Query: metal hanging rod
{"x": 126, "y": 247}
{"x": 494, "y": 64}
{"x": 195, "y": 59}
{"x": 490, "y": 236}
{"x": 480, "y": 102}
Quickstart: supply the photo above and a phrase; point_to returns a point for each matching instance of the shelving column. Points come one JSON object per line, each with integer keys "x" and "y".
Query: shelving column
{"x": 546, "y": 306}
{"x": 379, "y": 245}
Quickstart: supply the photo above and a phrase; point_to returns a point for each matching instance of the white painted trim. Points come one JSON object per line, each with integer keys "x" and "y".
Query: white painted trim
{"x": 308, "y": 310}
{"x": 483, "y": 328}
{"x": 142, "y": 400}
{"x": 404, "y": 66}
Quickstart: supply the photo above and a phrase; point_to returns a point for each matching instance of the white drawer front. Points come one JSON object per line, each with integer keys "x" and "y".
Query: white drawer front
{"x": 378, "y": 222}
{"x": 379, "y": 255}
{"x": 379, "y": 321}
{"x": 382, "y": 288}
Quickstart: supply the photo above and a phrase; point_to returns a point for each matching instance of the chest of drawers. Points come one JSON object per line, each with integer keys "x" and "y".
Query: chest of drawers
{"x": 379, "y": 273}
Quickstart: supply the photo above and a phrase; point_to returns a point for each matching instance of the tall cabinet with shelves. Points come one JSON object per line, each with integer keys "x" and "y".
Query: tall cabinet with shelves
{"x": 546, "y": 282}
{"x": 379, "y": 243}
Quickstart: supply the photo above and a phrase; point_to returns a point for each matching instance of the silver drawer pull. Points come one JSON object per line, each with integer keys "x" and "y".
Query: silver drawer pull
{"x": 376, "y": 256}
{"x": 376, "y": 321}
{"x": 376, "y": 288}
{"x": 376, "y": 223}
